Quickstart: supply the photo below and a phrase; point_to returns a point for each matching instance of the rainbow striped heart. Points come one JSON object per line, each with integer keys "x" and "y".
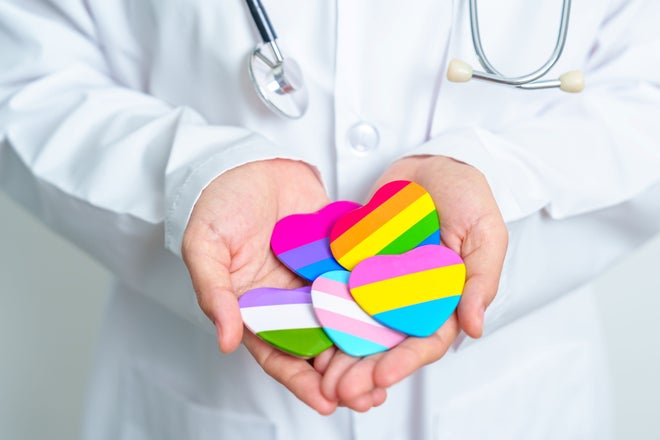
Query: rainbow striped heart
{"x": 399, "y": 217}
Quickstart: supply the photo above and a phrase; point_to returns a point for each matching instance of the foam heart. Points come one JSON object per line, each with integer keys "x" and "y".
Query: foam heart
{"x": 284, "y": 319}
{"x": 349, "y": 327}
{"x": 414, "y": 293}
{"x": 399, "y": 217}
{"x": 301, "y": 241}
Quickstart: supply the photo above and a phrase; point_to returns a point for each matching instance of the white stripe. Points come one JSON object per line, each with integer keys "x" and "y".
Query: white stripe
{"x": 281, "y": 317}
{"x": 342, "y": 306}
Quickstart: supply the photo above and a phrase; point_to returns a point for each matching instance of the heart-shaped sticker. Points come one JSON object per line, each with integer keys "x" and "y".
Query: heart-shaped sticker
{"x": 414, "y": 293}
{"x": 349, "y": 327}
{"x": 285, "y": 319}
{"x": 399, "y": 217}
{"x": 301, "y": 241}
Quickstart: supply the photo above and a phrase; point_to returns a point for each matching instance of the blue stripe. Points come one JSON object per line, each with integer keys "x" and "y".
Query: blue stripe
{"x": 337, "y": 275}
{"x": 431, "y": 239}
{"x": 421, "y": 319}
{"x": 312, "y": 271}
{"x": 353, "y": 345}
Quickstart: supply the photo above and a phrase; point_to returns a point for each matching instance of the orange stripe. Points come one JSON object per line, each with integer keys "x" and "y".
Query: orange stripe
{"x": 377, "y": 218}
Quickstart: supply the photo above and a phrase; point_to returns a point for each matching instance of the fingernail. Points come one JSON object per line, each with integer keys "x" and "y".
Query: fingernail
{"x": 480, "y": 319}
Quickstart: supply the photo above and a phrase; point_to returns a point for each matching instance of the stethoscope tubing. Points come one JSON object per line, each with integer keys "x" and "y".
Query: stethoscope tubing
{"x": 525, "y": 81}
{"x": 265, "y": 28}
{"x": 290, "y": 99}
{"x": 261, "y": 21}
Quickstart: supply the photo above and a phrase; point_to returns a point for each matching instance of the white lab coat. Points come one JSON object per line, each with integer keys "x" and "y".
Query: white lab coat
{"x": 114, "y": 115}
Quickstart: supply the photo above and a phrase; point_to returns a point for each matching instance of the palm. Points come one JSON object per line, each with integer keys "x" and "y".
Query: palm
{"x": 252, "y": 264}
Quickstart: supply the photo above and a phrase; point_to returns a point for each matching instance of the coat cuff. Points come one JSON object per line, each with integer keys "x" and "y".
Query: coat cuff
{"x": 489, "y": 154}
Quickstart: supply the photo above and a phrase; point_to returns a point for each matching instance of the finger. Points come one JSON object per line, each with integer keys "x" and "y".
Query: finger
{"x": 322, "y": 361}
{"x": 379, "y": 396}
{"x": 208, "y": 264}
{"x": 483, "y": 250}
{"x": 358, "y": 380}
{"x": 367, "y": 401}
{"x": 295, "y": 374}
{"x": 361, "y": 403}
{"x": 473, "y": 303}
{"x": 339, "y": 364}
{"x": 414, "y": 353}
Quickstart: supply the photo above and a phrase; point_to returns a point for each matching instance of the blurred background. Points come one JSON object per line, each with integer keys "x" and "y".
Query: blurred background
{"x": 46, "y": 348}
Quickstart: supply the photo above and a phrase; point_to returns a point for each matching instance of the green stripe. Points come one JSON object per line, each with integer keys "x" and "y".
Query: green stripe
{"x": 303, "y": 342}
{"x": 413, "y": 236}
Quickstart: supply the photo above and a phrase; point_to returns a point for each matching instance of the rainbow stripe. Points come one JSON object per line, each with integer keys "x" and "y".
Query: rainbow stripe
{"x": 398, "y": 218}
{"x": 414, "y": 293}
{"x": 347, "y": 325}
{"x": 284, "y": 319}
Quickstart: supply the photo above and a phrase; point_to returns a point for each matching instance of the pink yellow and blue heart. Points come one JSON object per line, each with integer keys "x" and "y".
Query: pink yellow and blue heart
{"x": 400, "y": 281}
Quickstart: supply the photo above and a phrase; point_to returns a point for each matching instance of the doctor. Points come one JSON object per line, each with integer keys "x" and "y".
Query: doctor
{"x": 131, "y": 128}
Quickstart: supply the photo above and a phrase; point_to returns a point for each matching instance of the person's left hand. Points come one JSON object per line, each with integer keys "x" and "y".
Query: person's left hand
{"x": 473, "y": 227}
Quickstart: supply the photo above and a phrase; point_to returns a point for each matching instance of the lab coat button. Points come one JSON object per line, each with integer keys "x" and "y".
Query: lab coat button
{"x": 363, "y": 138}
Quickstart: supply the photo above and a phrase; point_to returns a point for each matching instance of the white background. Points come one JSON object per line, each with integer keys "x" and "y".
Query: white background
{"x": 51, "y": 298}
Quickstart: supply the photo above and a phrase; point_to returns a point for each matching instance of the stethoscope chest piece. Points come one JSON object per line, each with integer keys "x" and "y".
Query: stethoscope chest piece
{"x": 279, "y": 83}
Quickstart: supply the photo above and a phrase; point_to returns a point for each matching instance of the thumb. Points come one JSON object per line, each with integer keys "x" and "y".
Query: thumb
{"x": 483, "y": 252}
{"x": 215, "y": 293}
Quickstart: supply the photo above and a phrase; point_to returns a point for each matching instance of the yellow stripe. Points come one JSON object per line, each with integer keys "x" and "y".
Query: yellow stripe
{"x": 414, "y": 288}
{"x": 389, "y": 232}
{"x": 376, "y": 219}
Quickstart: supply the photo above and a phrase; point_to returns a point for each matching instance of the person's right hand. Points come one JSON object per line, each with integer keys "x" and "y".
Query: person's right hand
{"x": 226, "y": 247}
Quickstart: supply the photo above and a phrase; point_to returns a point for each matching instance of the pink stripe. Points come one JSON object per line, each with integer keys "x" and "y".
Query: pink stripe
{"x": 300, "y": 229}
{"x": 332, "y": 287}
{"x": 374, "y": 333}
{"x": 383, "y": 267}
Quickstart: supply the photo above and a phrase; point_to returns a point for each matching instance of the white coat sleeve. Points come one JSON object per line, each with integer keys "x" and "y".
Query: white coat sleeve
{"x": 113, "y": 169}
{"x": 577, "y": 183}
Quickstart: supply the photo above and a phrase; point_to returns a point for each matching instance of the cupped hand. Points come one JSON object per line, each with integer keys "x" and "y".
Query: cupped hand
{"x": 226, "y": 247}
{"x": 472, "y": 226}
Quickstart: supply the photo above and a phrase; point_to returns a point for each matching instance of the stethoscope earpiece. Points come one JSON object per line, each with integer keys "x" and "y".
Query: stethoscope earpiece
{"x": 572, "y": 82}
{"x": 459, "y": 71}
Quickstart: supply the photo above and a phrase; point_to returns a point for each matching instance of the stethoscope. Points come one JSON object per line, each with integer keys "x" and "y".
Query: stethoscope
{"x": 279, "y": 81}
